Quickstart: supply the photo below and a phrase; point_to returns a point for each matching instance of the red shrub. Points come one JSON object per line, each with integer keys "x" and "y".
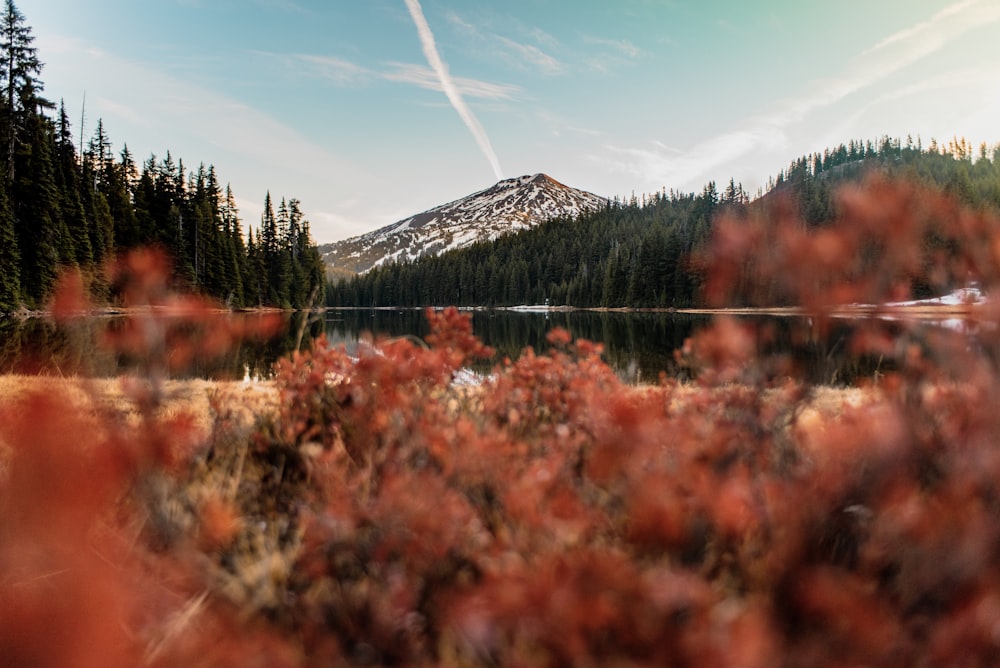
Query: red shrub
{"x": 551, "y": 515}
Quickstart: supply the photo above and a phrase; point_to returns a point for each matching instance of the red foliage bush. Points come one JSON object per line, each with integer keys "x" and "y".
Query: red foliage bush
{"x": 552, "y": 515}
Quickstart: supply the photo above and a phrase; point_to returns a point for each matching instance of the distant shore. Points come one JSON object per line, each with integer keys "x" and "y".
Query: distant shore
{"x": 916, "y": 310}
{"x": 910, "y": 310}
{"x": 119, "y": 311}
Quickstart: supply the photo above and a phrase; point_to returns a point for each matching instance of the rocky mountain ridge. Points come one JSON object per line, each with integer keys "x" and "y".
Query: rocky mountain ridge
{"x": 508, "y": 206}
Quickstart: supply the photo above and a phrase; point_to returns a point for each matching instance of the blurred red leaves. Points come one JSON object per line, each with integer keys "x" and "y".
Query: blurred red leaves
{"x": 82, "y": 578}
{"x": 550, "y": 515}
{"x": 886, "y": 234}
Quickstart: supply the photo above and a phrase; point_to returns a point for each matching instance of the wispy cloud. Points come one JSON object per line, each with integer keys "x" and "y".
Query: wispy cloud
{"x": 335, "y": 69}
{"x": 923, "y": 27}
{"x": 622, "y": 47}
{"x": 893, "y": 54}
{"x": 605, "y": 55}
{"x": 532, "y": 56}
{"x": 346, "y": 72}
{"x": 448, "y": 85}
{"x": 873, "y": 65}
{"x": 665, "y": 165}
{"x": 522, "y": 55}
{"x": 559, "y": 124}
{"x": 425, "y": 77}
{"x": 464, "y": 26}
{"x": 543, "y": 38}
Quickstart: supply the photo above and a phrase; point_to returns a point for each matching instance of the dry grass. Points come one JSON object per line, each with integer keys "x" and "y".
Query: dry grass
{"x": 243, "y": 403}
{"x": 237, "y": 505}
{"x": 117, "y": 396}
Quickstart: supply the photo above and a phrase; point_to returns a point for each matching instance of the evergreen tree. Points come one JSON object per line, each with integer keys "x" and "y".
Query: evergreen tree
{"x": 310, "y": 268}
{"x": 256, "y": 275}
{"x": 43, "y": 237}
{"x": 19, "y": 67}
{"x": 10, "y": 258}
{"x": 116, "y": 186}
{"x": 68, "y": 185}
{"x": 280, "y": 271}
{"x": 236, "y": 258}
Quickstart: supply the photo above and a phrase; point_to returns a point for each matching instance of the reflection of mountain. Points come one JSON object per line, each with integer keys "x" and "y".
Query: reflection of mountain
{"x": 509, "y": 206}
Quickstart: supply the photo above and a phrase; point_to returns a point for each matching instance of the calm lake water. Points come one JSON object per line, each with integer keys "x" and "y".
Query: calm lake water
{"x": 639, "y": 346}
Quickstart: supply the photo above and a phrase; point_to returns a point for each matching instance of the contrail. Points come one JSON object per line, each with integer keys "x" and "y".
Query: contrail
{"x": 434, "y": 59}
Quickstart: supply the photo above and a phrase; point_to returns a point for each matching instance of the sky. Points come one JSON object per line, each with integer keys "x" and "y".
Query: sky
{"x": 369, "y": 111}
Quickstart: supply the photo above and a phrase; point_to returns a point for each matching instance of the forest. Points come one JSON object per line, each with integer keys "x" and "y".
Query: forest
{"x": 66, "y": 203}
{"x": 643, "y": 252}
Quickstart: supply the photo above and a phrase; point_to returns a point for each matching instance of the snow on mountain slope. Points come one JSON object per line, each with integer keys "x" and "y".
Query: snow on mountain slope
{"x": 510, "y": 205}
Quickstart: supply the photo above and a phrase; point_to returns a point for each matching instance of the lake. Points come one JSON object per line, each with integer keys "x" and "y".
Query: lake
{"x": 638, "y": 345}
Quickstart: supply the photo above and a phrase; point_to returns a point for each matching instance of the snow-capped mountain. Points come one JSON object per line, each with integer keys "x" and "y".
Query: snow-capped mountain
{"x": 510, "y": 205}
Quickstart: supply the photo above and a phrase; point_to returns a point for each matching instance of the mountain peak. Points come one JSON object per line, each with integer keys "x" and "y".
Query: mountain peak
{"x": 528, "y": 178}
{"x": 508, "y": 206}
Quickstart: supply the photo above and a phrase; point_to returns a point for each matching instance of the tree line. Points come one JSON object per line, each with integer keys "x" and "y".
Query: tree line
{"x": 63, "y": 207}
{"x": 638, "y": 252}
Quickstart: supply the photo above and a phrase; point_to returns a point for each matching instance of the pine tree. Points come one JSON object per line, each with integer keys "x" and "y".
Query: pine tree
{"x": 68, "y": 184}
{"x": 255, "y": 286}
{"x": 19, "y": 66}
{"x": 43, "y": 237}
{"x": 10, "y": 258}
{"x": 308, "y": 268}
{"x": 282, "y": 278}
{"x": 117, "y": 190}
{"x": 236, "y": 259}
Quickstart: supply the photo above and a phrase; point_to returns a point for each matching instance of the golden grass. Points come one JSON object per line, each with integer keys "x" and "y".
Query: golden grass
{"x": 116, "y": 395}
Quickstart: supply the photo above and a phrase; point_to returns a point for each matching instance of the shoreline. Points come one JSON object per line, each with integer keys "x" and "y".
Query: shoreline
{"x": 159, "y": 309}
{"x": 904, "y": 310}
{"x": 928, "y": 311}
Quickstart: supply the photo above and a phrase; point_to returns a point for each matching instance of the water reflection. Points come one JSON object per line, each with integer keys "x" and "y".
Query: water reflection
{"x": 638, "y": 346}
{"x": 40, "y": 346}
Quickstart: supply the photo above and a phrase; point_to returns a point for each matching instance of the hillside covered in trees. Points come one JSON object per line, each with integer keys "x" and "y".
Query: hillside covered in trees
{"x": 63, "y": 207}
{"x": 637, "y": 253}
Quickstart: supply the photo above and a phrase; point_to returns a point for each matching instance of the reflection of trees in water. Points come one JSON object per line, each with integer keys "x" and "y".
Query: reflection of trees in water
{"x": 639, "y": 346}
{"x": 39, "y": 346}
{"x": 818, "y": 352}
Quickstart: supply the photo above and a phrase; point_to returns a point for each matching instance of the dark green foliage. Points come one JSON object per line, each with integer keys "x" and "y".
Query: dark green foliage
{"x": 59, "y": 208}
{"x": 10, "y": 258}
{"x": 630, "y": 253}
{"x": 19, "y": 67}
{"x": 639, "y": 253}
{"x": 43, "y": 235}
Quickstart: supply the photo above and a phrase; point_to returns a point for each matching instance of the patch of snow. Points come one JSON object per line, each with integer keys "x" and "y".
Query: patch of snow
{"x": 508, "y": 206}
{"x": 532, "y": 308}
{"x": 962, "y": 296}
{"x": 467, "y": 378}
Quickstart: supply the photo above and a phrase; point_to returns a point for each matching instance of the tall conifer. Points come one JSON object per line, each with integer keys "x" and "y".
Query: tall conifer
{"x": 10, "y": 258}
{"x": 19, "y": 66}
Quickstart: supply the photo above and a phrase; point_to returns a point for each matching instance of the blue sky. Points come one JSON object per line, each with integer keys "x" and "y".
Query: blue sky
{"x": 345, "y": 104}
